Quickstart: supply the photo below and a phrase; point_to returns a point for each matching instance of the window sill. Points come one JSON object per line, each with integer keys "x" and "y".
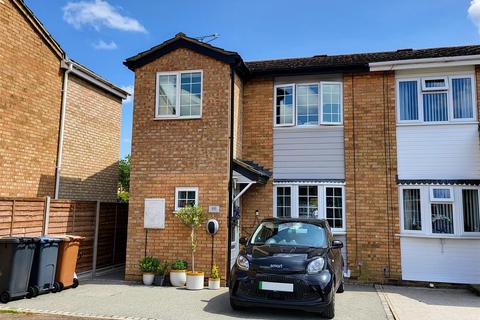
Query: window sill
{"x": 439, "y": 236}
{"x": 312, "y": 127}
{"x": 427, "y": 124}
{"x": 339, "y": 233}
{"x": 177, "y": 118}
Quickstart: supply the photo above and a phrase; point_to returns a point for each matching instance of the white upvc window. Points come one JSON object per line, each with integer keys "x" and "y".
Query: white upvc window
{"x": 440, "y": 211}
{"x": 179, "y": 95}
{"x": 185, "y": 196}
{"x": 311, "y": 201}
{"x": 440, "y": 99}
{"x": 308, "y": 104}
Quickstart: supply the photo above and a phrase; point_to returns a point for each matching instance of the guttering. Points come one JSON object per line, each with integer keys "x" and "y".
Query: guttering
{"x": 230, "y": 171}
{"x": 68, "y": 66}
{"x": 425, "y": 63}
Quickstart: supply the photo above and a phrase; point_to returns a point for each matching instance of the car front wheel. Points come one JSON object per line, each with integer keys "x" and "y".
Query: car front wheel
{"x": 329, "y": 312}
{"x": 234, "y": 305}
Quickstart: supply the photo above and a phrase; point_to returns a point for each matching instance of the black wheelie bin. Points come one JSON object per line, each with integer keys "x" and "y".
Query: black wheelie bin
{"x": 15, "y": 265}
{"x": 42, "y": 277}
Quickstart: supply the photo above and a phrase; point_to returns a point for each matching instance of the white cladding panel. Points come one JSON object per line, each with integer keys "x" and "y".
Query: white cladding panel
{"x": 449, "y": 151}
{"x": 440, "y": 260}
{"x": 308, "y": 153}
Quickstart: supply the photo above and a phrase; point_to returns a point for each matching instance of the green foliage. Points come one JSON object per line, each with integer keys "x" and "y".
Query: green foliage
{"x": 124, "y": 178}
{"x": 192, "y": 217}
{"x": 162, "y": 268}
{"x": 149, "y": 264}
{"x": 215, "y": 274}
{"x": 179, "y": 265}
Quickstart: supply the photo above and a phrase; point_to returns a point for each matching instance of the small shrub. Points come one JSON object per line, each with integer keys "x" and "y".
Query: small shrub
{"x": 162, "y": 268}
{"x": 215, "y": 274}
{"x": 149, "y": 264}
{"x": 180, "y": 265}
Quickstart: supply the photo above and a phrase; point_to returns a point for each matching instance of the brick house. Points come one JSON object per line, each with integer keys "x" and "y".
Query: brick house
{"x": 385, "y": 146}
{"x": 53, "y": 144}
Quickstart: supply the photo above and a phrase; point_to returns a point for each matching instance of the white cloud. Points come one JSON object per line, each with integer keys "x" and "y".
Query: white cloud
{"x": 129, "y": 89}
{"x": 99, "y": 13}
{"x": 474, "y": 12}
{"x": 102, "y": 45}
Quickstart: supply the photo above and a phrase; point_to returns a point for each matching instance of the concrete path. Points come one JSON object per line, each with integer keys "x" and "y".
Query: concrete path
{"x": 433, "y": 304}
{"x": 130, "y": 301}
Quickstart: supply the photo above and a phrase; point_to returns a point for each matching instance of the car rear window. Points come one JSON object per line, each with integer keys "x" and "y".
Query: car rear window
{"x": 289, "y": 234}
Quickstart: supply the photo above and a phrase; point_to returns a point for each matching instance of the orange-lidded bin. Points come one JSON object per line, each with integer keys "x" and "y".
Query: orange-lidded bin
{"x": 67, "y": 261}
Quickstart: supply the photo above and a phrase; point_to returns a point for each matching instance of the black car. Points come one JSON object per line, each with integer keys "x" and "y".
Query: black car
{"x": 289, "y": 263}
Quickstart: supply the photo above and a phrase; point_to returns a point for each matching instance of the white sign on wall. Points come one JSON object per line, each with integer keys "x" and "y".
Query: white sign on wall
{"x": 213, "y": 209}
{"x": 154, "y": 213}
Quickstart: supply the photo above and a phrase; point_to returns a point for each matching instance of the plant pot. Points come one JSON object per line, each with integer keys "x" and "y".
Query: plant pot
{"x": 195, "y": 280}
{"x": 178, "y": 278}
{"x": 158, "y": 281}
{"x": 148, "y": 278}
{"x": 213, "y": 284}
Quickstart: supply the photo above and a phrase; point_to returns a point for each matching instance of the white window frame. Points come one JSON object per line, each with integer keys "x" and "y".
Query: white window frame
{"x": 420, "y": 91}
{"x": 436, "y": 200}
{"x": 422, "y": 211}
{"x": 294, "y": 117}
{"x": 425, "y": 88}
{"x": 178, "y": 189}
{"x": 296, "y": 104}
{"x": 321, "y": 103}
{"x": 322, "y": 201}
{"x": 177, "y": 94}
{"x": 461, "y": 217}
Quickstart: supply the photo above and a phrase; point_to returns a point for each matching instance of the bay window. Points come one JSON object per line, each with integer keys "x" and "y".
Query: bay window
{"x": 311, "y": 201}
{"x": 309, "y": 104}
{"x": 436, "y": 99}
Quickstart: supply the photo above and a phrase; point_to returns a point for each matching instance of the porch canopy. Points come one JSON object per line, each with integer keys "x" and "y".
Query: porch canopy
{"x": 247, "y": 173}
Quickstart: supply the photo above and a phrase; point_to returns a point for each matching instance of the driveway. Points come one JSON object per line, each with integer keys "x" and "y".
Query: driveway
{"x": 132, "y": 301}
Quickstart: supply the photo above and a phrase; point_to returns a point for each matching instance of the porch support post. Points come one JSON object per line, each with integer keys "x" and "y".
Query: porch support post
{"x": 243, "y": 191}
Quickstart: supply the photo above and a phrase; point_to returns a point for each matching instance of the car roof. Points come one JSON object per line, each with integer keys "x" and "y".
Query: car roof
{"x": 320, "y": 222}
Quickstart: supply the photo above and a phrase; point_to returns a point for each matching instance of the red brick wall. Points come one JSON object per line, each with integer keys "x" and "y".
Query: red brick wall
{"x": 91, "y": 143}
{"x": 179, "y": 153}
{"x": 30, "y": 86}
{"x": 370, "y": 169}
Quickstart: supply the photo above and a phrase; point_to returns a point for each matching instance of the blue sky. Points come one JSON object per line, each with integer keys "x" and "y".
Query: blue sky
{"x": 102, "y": 33}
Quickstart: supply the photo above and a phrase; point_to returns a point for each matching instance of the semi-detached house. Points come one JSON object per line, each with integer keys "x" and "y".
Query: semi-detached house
{"x": 385, "y": 146}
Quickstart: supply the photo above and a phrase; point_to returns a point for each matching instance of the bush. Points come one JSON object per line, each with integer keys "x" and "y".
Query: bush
{"x": 162, "y": 268}
{"x": 180, "y": 265}
{"x": 149, "y": 264}
{"x": 215, "y": 274}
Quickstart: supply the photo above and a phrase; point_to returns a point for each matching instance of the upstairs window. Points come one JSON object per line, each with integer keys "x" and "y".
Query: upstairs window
{"x": 284, "y": 105}
{"x": 179, "y": 95}
{"x": 436, "y": 99}
{"x": 331, "y": 103}
{"x": 307, "y": 104}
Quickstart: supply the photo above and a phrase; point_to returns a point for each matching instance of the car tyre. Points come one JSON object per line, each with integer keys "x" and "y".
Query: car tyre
{"x": 4, "y": 297}
{"x": 329, "y": 312}
{"x": 234, "y": 305}
{"x": 341, "y": 287}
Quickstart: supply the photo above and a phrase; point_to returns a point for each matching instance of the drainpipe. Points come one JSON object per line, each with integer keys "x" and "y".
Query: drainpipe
{"x": 68, "y": 66}
{"x": 230, "y": 173}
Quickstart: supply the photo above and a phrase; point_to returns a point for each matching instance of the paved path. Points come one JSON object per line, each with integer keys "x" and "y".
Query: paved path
{"x": 433, "y": 304}
{"x": 165, "y": 303}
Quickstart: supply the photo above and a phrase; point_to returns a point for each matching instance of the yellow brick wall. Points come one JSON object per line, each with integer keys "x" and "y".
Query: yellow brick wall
{"x": 30, "y": 90}
{"x": 91, "y": 143}
{"x": 179, "y": 153}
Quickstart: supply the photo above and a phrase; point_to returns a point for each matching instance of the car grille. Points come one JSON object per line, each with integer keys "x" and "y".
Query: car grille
{"x": 301, "y": 290}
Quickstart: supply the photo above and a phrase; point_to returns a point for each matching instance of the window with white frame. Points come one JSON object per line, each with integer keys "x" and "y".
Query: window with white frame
{"x": 431, "y": 210}
{"x": 436, "y": 99}
{"x": 185, "y": 196}
{"x": 179, "y": 95}
{"x": 314, "y": 201}
{"x": 308, "y": 104}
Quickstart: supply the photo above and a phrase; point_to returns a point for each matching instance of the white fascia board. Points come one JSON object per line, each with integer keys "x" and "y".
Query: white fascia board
{"x": 425, "y": 63}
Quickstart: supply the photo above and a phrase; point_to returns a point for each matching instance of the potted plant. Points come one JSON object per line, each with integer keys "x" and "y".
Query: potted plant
{"x": 214, "y": 280}
{"x": 178, "y": 273}
{"x": 192, "y": 217}
{"x": 148, "y": 266}
{"x": 160, "y": 274}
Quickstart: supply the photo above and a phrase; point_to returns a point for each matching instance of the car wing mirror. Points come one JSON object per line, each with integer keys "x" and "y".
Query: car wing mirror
{"x": 243, "y": 241}
{"x": 337, "y": 244}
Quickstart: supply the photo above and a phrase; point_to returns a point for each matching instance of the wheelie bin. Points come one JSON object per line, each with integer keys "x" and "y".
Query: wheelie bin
{"x": 15, "y": 265}
{"x": 67, "y": 261}
{"x": 42, "y": 277}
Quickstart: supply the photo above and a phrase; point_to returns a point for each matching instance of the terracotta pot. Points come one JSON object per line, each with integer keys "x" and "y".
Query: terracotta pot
{"x": 178, "y": 278}
{"x": 148, "y": 278}
{"x": 195, "y": 280}
{"x": 213, "y": 284}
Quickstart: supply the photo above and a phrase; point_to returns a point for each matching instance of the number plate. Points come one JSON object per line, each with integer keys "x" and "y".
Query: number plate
{"x": 275, "y": 286}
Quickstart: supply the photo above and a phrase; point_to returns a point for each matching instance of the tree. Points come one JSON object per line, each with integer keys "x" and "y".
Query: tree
{"x": 192, "y": 217}
{"x": 124, "y": 178}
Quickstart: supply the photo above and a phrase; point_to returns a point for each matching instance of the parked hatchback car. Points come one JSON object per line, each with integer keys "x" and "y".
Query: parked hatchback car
{"x": 289, "y": 263}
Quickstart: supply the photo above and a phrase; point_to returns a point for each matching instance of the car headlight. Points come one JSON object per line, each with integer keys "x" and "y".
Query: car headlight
{"x": 315, "y": 266}
{"x": 242, "y": 263}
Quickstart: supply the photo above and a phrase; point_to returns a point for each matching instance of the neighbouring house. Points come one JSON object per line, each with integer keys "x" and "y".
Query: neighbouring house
{"x": 385, "y": 146}
{"x": 59, "y": 123}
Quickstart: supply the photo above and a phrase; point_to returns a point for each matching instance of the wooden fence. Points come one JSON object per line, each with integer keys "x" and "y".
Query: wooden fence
{"x": 104, "y": 226}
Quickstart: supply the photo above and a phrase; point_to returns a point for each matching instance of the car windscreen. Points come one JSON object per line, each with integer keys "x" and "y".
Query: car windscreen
{"x": 289, "y": 234}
